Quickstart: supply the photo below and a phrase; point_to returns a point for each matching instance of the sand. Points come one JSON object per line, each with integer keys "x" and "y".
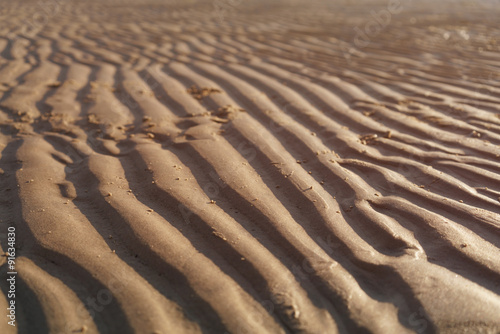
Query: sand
{"x": 239, "y": 166}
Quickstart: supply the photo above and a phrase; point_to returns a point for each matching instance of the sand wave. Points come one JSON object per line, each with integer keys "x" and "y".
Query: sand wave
{"x": 175, "y": 168}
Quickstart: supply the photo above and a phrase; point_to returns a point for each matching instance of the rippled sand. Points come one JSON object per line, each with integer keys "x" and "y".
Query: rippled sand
{"x": 251, "y": 167}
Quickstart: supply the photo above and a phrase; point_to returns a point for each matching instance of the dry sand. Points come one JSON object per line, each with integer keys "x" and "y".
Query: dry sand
{"x": 236, "y": 166}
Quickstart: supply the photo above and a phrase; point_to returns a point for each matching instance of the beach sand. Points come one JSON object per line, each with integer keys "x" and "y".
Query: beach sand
{"x": 236, "y": 166}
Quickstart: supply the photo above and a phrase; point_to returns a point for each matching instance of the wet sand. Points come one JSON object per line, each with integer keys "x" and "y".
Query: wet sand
{"x": 247, "y": 167}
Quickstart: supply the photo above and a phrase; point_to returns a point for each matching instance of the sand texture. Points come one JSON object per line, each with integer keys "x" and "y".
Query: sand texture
{"x": 247, "y": 167}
